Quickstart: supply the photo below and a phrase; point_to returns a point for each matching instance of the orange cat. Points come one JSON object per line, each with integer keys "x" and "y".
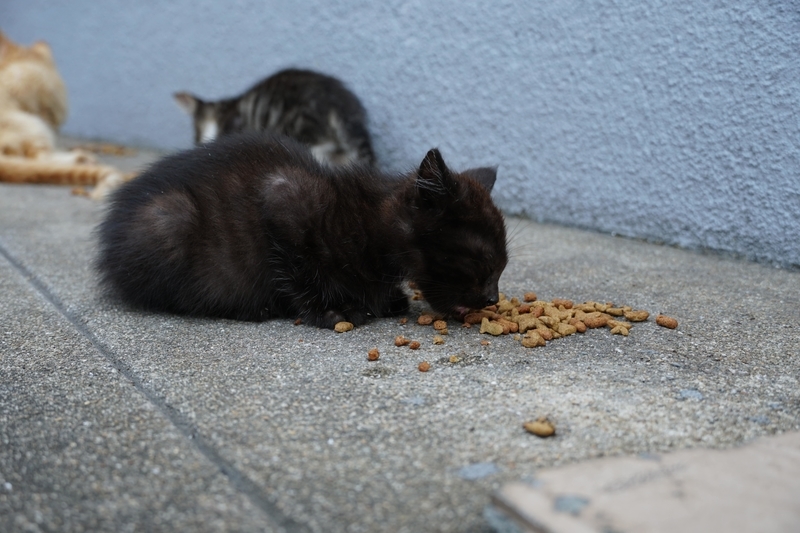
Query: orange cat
{"x": 33, "y": 104}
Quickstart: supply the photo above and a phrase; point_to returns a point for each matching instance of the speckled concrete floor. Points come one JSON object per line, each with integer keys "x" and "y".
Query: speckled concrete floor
{"x": 118, "y": 420}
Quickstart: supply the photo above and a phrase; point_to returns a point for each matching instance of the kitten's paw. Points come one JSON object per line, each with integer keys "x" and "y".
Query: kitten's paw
{"x": 358, "y": 317}
{"x": 329, "y": 318}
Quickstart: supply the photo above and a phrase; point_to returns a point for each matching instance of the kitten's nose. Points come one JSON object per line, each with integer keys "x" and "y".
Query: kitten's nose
{"x": 492, "y": 299}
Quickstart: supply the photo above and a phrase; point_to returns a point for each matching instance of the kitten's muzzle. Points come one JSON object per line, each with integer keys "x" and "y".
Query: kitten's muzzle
{"x": 492, "y": 298}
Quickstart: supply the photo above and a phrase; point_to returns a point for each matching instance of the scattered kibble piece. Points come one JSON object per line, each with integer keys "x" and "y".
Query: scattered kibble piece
{"x": 614, "y": 323}
{"x": 425, "y": 320}
{"x": 424, "y": 366}
{"x": 401, "y": 341}
{"x": 542, "y": 427}
{"x": 595, "y": 320}
{"x": 636, "y": 316}
{"x": 341, "y": 327}
{"x": 414, "y": 345}
{"x": 560, "y": 301}
{"x": 404, "y": 321}
{"x": 529, "y": 297}
{"x": 298, "y": 321}
{"x": 485, "y": 343}
{"x": 666, "y": 321}
{"x": 439, "y": 324}
{"x": 565, "y": 329}
{"x": 619, "y": 330}
{"x": 492, "y": 328}
{"x": 455, "y": 359}
{"x": 373, "y": 355}
{"x": 580, "y": 327}
{"x": 438, "y": 339}
{"x": 532, "y": 339}
{"x": 473, "y": 318}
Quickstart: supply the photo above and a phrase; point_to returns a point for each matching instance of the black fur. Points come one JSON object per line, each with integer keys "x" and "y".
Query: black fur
{"x": 251, "y": 227}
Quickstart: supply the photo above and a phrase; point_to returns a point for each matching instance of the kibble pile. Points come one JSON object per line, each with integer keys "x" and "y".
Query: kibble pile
{"x": 534, "y": 322}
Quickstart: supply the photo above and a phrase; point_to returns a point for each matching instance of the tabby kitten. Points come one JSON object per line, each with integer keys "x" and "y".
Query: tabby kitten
{"x": 315, "y": 109}
{"x": 251, "y": 227}
{"x": 33, "y": 104}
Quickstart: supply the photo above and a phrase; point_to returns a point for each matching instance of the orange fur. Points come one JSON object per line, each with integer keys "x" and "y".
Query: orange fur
{"x": 33, "y": 105}
{"x": 21, "y": 170}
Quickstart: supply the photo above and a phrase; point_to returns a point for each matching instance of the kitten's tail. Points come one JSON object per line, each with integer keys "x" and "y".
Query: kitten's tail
{"x": 16, "y": 169}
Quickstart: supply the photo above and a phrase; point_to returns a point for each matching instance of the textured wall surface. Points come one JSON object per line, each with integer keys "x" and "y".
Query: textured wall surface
{"x": 671, "y": 121}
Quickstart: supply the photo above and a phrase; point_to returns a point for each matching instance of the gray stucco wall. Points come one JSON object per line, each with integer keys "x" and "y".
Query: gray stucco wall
{"x": 671, "y": 121}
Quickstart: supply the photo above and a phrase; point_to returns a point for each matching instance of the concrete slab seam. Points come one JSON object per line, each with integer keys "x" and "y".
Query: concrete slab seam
{"x": 239, "y": 480}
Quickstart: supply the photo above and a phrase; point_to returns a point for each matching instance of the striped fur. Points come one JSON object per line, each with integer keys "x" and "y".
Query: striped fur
{"x": 315, "y": 109}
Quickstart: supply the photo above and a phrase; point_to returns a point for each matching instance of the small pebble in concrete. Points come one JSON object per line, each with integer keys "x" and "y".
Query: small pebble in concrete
{"x": 414, "y": 400}
{"x": 690, "y": 394}
{"x": 477, "y": 471}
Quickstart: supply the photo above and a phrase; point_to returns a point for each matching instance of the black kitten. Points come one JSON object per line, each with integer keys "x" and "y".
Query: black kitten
{"x": 315, "y": 109}
{"x": 251, "y": 227}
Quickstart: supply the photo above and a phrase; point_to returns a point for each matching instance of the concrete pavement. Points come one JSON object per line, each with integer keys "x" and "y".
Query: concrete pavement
{"x": 118, "y": 420}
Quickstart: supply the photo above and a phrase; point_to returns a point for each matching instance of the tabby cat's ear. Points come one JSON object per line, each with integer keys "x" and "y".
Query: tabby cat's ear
{"x": 187, "y": 101}
{"x": 434, "y": 181}
{"x": 486, "y": 176}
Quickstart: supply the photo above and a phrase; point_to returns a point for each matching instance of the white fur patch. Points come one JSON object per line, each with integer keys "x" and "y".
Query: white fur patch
{"x": 208, "y": 131}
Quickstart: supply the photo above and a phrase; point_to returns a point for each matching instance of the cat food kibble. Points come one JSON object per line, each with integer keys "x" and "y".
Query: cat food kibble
{"x": 541, "y": 427}
{"x": 373, "y": 355}
{"x": 537, "y": 322}
{"x": 619, "y": 330}
{"x": 341, "y": 327}
{"x": 636, "y": 316}
{"x": 532, "y": 339}
{"x": 666, "y": 321}
{"x": 425, "y": 320}
{"x": 493, "y": 328}
{"x": 424, "y": 366}
{"x": 414, "y": 345}
{"x": 567, "y": 304}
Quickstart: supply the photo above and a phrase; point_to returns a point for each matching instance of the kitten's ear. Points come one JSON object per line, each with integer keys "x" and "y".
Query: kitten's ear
{"x": 486, "y": 176}
{"x": 43, "y": 49}
{"x": 433, "y": 178}
{"x": 187, "y": 101}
